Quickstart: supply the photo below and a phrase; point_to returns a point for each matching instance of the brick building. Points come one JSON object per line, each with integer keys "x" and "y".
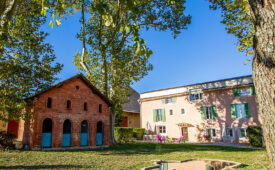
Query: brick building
{"x": 68, "y": 114}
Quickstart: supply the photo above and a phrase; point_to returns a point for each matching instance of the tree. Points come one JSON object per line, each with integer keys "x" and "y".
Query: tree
{"x": 117, "y": 55}
{"x": 252, "y": 21}
{"x": 26, "y": 61}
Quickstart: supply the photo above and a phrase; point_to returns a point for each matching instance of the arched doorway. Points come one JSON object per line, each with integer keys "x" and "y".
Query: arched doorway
{"x": 84, "y": 133}
{"x": 46, "y": 141}
{"x": 67, "y": 129}
{"x": 99, "y": 133}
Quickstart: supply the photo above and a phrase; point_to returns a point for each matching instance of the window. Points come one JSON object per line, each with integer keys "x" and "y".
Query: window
{"x": 240, "y": 111}
{"x": 244, "y": 91}
{"x": 208, "y": 113}
{"x": 49, "y": 103}
{"x": 169, "y": 100}
{"x": 211, "y": 132}
{"x": 182, "y": 111}
{"x": 229, "y": 132}
{"x": 85, "y": 106}
{"x": 76, "y": 87}
{"x": 159, "y": 115}
{"x": 196, "y": 94}
{"x": 171, "y": 112}
{"x": 68, "y": 104}
{"x": 242, "y": 133}
{"x": 162, "y": 129}
{"x": 100, "y": 108}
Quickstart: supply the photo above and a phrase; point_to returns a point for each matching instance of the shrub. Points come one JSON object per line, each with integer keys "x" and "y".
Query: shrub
{"x": 138, "y": 133}
{"x": 254, "y": 133}
{"x": 123, "y": 134}
{"x": 6, "y": 140}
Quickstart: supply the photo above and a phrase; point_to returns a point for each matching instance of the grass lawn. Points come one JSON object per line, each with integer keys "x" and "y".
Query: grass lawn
{"x": 128, "y": 156}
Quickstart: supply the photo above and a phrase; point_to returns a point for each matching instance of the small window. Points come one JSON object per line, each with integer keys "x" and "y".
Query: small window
{"x": 100, "y": 108}
{"x": 162, "y": 129}
{"x": 171, "y": 112}
{"x": 85, "y": 106}
{"x": 182, "y": 111}
{"x": 240, "y": 111}
{"x": 49, "y": 103}
{"x": 244, "y": 91}
{"x": 76, "y": 87}
{"x": 196, "y": 95}
{"x": 229, "y": 132}
{"x": 242, "y": 133}
{"x": 68, "y": 104}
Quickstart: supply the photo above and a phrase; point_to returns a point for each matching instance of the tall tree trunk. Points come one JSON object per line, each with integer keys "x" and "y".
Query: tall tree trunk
{"x": 264, "y": 69}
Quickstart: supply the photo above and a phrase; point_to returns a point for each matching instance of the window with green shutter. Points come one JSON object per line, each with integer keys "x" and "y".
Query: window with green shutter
{"x": 202, "y": 113}
{"x": 247, "y": 112}
{"x": 236, "y": 92}
{"x": 214, "y": 112}
{"x": 233, "y": 111}
{"x": 163, "y": 118}
{"x": 154, "y": 115}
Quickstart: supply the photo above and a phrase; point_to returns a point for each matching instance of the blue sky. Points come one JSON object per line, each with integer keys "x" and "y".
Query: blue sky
{"x": 203, "y": 52}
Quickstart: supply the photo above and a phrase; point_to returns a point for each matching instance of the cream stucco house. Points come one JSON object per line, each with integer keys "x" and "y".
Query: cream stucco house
{"x": 218, "y": 110}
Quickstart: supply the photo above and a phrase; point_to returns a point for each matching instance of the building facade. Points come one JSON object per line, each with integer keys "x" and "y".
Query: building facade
{"x": 211, "y": 111}
{"x": 68, "y": 114}
{"x": 131, "y": 110}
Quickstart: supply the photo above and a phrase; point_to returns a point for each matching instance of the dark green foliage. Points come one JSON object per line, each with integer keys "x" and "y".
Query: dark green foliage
{"x": 255, "y": 136}
{"x": 138, "y": 133}
{"x": 26, "y": 60}
{"x": 6, "y": 140}
{"x": 123, "y": 135}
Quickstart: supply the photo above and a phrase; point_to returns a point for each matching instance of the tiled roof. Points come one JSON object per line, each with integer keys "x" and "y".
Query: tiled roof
{"x": 132, "y": 104}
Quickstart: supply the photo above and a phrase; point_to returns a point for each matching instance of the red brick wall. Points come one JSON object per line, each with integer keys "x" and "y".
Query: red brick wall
{"x": 59, "y": 113}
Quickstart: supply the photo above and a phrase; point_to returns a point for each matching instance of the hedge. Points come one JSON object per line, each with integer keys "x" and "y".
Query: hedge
{"x": 125, "y": 134}
{"x": 138, "y": 133}
{"x": 254, "y": 133}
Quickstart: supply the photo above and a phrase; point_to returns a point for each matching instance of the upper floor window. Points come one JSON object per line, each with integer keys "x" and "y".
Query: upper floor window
{"x": 240, "y": 110}
{"x": 246, "y": 91}
{"x": 159, "y": 115}
{"x": 171, "y": 112}
{"x": 208, "y": 112}
{"x": 169, "y": 100}
{"x": 183, "y": 111}
{"x": 68, "y": 104}
{"x": 100, "y": 108}
{"x": 49, "y": 103}
{"x": 196, "y": 94}
{"x": 76, "y": 87}
{"x": 85, "y": 106}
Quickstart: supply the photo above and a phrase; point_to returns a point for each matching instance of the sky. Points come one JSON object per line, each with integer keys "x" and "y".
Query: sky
{"x": 203, "y": 52}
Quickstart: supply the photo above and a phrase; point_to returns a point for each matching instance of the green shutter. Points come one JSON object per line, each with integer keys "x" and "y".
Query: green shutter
{"x": 202, "y": 113}
{"x": 236, "y": 92}
{"x": 174, "y": 99}
{"x": 155, "y": 115}
{"x": 165, "y": 166}
{"x": 163, "y": 115}
{"x": 247, "y": 113}
{"x": 233, "y": 111}
{"x": 214, "y": 111}
{"x": 207, "y": 167}
{"x": 163, "y": 101}
{"x": 252, "y": 90}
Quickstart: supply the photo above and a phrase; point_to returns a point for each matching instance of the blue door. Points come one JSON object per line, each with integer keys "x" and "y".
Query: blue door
{"x": 99, "y": 133}
{"x": 84, "y": 133}
{"x": 98, "y": 139}
{"x": 67, "y": 128}
{"x": 46, "y": 141}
